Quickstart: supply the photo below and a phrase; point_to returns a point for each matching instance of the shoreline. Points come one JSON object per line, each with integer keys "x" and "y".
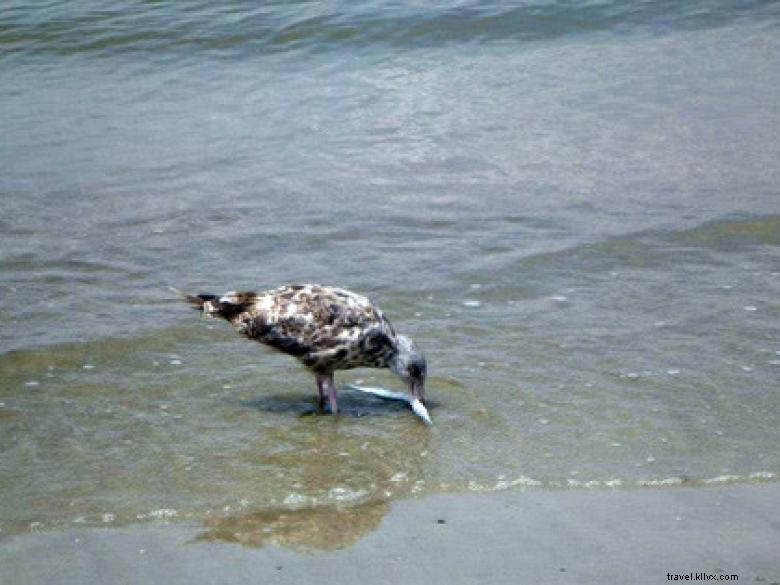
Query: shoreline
{"x": 514, "y": 536}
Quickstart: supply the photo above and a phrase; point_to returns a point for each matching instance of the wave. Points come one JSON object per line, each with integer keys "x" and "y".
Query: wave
{"x": 524, "y": 482}
{"x": 105, "y": 28}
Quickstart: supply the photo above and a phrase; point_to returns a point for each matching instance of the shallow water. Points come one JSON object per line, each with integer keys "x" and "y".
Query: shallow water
{"x": 573, "y": 208}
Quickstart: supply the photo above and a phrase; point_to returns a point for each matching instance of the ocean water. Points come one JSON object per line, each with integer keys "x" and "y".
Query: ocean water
{"x": 573, "y": 207}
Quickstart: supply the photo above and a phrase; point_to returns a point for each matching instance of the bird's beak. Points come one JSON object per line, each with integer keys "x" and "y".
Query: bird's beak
{"x": 417, "y": 390}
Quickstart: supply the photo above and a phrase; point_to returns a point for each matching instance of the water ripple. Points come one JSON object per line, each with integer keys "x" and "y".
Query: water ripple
{"x": 101, "y": 27}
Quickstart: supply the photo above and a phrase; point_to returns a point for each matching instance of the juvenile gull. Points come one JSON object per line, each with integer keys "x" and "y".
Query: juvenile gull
{"x": 326, "y": 328}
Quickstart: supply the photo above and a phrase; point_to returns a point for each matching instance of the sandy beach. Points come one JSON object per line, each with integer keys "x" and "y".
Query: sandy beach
{"x": 638, "y": 536}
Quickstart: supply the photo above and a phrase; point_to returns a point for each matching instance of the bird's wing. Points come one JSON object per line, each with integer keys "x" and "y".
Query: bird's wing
{"x": 371, "y": 347}
{"x": 311, "y": 319}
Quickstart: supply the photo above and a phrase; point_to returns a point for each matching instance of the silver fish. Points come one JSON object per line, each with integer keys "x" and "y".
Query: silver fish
{"x": 417, "y": 407}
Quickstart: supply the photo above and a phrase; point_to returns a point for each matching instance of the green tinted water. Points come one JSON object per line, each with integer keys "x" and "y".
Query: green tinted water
{"x": 636, "y": 362}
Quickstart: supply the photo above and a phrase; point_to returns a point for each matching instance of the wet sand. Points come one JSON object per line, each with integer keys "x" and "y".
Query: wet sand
{"x": 531, "y": 536}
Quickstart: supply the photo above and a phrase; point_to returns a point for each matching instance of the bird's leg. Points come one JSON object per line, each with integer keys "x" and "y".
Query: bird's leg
{"x": 334, "y": 407}
{"x": 321, "y": 380}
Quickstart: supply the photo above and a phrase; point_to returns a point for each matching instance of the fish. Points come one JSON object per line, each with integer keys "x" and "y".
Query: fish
{"x": 417, "y": 406}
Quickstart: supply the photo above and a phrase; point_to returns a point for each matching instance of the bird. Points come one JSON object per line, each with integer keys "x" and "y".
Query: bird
{"x": 326, "y": 328}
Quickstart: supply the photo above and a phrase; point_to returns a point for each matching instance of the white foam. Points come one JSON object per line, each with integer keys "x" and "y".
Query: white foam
{"x": 762, "y": 475}
{"x": 473, "y": 303}
{"x": 161, "y": 514}
{"x": 344, "y": 494}
{"x": 660, "y": 482}
{"x": 726, "y": 478}
{"x": 672, "y": 481}
{"x": 524, "y": 481}
{"x": 295, "y": 500}
{"x": 750, "y": 308}
{"x": 590, "y": 484}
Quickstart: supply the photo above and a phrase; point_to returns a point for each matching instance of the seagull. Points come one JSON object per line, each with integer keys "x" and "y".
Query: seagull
{"x": 326, "y": 328}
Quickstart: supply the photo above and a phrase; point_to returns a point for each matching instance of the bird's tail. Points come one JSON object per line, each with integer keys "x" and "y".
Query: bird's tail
{"x": 226, "y": 306}
{"x": 205, "y": 303}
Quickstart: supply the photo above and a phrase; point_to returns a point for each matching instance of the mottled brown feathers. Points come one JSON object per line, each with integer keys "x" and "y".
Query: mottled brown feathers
{"x": 327, "y": 328}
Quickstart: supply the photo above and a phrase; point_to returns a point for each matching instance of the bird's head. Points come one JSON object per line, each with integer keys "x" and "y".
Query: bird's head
{"x": 409, "y": 364}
